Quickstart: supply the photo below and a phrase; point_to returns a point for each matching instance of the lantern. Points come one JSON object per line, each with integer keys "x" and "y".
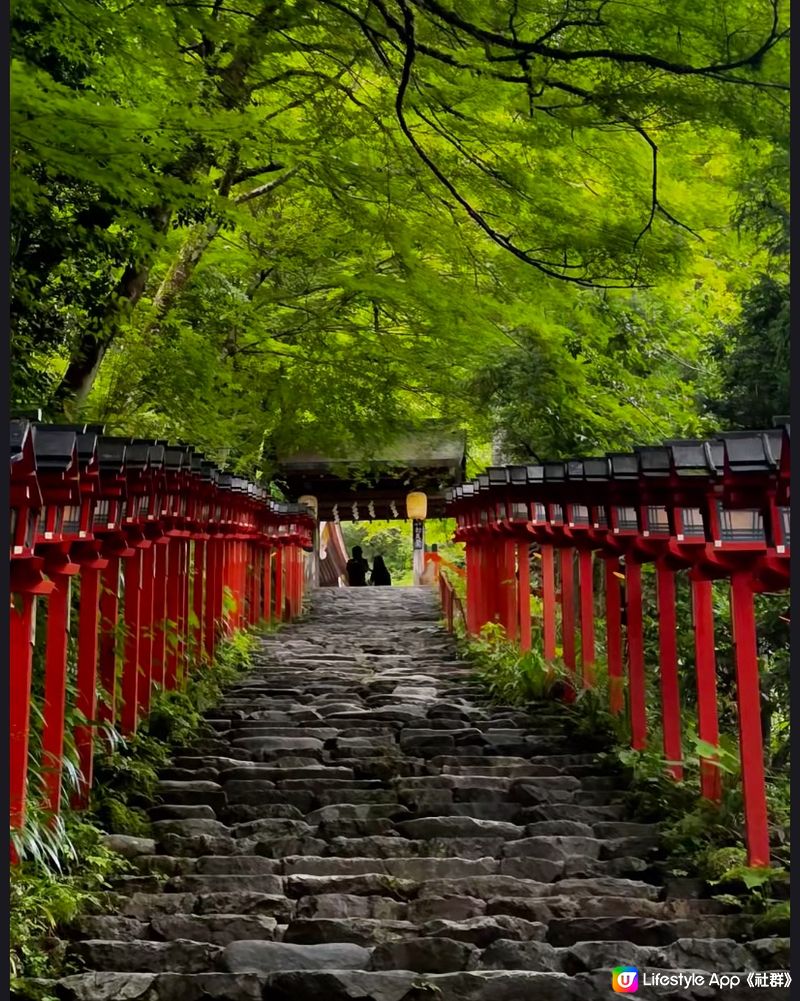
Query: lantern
{"x": 417, "y": 505}
{"x": 307, "y": 500}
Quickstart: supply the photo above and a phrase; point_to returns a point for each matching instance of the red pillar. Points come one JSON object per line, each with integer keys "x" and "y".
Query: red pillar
{"x": 20, "y": 635}
{"x": 289, "y": 584}
{"x": 614, "y": 636}
{"x": 748, "y": 699}
{"x": 184, "y": 632}
{"x": 507, "y": 553}
{"x": 524, "y": 595}
{"x": 279, "y": 615}
{"x": 146, "y": 609}
{"x": 267, "y": 593}
{"x": 109, "y": 621}
{"x": 586, "y": 588}
{"x": 197, "y": 596}
{"x": 636, "y": 678}
{"x": 548, "y": 603}
{"x": 706, "y": 671}
{"x": 160, "y": 612}
{"x": 55, "y": 688}
{"x": 173, "y": 612}
{"x": 668, "y": 670}
{"x": 568, "y": 609}
{"x": 130, "y": 668}
{"x": 88, "y": 635}
{"x": 209, "y": 611}
{"x": 472, "y": 558}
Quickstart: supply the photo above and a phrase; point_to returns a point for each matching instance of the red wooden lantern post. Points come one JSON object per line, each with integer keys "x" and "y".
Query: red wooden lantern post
{"x": 517, "y": 516}
{"x": 212, "y": 578}
{"x": 59, "y": 525}
{"x": 623, "y": 489}
{"x": 198, "y": 514}
{"x": 504, "y": 546}
{"x": 176, "y": 533}
{"x": 144, "y": 464}
{"x": 110, "y": 510}
{"x": 26, "y": 583}
{"x": 88, "y": 555}
{"x": 744, "y": 529}
{"x": 540, "y": 530}
{"x": 578, "y": 529}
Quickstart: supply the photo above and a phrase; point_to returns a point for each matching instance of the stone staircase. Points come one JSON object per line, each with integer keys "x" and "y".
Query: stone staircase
{"x": 366, "y": 826}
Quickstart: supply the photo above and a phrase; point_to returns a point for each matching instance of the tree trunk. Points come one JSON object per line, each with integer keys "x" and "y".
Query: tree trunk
{"x": 95, "y": 340}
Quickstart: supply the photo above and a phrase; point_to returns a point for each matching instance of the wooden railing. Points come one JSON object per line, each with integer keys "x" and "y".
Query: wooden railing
{"x": 171, "y": 555}
{"x": 717, "y": 509}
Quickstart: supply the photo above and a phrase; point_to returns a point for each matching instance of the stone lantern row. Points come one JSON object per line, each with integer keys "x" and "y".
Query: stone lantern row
{"x": 718, "y": 508}
{"x": 171, "y": 554}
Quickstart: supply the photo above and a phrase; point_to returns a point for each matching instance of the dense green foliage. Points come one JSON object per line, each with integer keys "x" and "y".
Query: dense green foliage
{"x": 280, "y": 223}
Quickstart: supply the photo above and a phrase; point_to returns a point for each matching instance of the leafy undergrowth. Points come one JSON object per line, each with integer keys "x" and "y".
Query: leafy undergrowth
{"x": 701, "y": 840}
{"x": 65, "y": 863}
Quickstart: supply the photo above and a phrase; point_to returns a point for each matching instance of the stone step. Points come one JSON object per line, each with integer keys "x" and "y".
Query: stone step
{"x": 360, "y": 822}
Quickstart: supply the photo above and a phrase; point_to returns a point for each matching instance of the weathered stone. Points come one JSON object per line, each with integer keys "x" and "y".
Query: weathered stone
{"x": 111, "y": 926}
{"x": 188, "y": 828}
{"x": 269, "y": 957}
{"x": 191, "y": 793}
{"x": 366, "y": 884}
{"x": 219, "y": 929}
{"x": 210, "y": 987}
{"x": 107, "y": 987}
{"x": 423, "y": 955}
{"x": 350, "y": 905}
{"x": 505, "y": 954}
{"x": 457, "y": 827}
{"x": 128, "y": 846}
{"x": 225, "y": 883}
{"x": 360, "y": 931}
{"x": 482, "y": 931}
{"x": 455, "y": 908}
{"x": 244, "y": 902}
{"x": 147, "y": 957}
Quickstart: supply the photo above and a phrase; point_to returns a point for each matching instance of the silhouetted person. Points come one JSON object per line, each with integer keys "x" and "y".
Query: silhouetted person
{"x": 380, "y": 575}
{"x": 357, "y": 569}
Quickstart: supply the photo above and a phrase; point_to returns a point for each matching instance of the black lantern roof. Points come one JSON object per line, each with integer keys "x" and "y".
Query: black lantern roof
{"x": 554, "y": 472}
{"x": 225, "y": 481}
{"x": 498, "y": 476}
{"x": 156, "y": 453}
{"x": 177, "y": 458}
{"x": 654, "y": 460}
{"x": 691, "y": 457}
{"x": 111, "y": 454}
{"x": 751, "y": 451}
{"x": 574, "y": 469}
{"x": 18, "y": 432}
{"x": 518, "y": 475}
{"x": 624, "y": 465}
{"x": 535, "y": 474}
{"x": 55, "y": 448}
{"x": 87, "y": 446}
{"x": 137, "y": 454}
{"x": 597, "y": 469}
{"x": 482, "y": 480}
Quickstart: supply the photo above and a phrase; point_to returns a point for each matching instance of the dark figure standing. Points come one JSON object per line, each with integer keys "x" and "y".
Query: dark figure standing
{"x": 357, "y": 569}
{"x": 380, "y": 574}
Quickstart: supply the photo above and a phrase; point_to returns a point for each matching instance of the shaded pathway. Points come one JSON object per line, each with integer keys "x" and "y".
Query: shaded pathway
{"x": 365, "y": 826}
